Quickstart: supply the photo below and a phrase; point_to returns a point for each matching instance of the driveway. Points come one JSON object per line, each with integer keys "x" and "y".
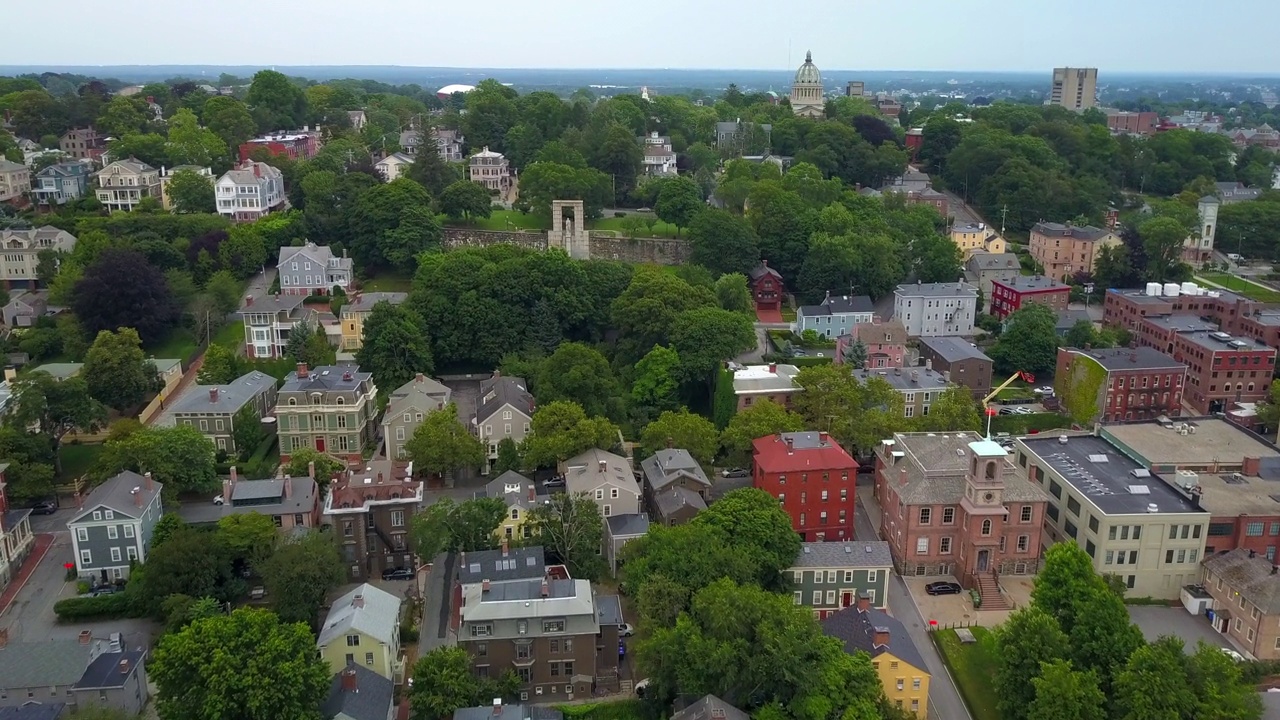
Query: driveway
{"x": 1157, "y": 620}
{"x": 755, "y": 355}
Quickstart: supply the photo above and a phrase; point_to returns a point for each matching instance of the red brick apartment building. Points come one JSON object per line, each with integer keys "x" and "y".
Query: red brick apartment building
{"x": 1223, "y": 369}
{"x": 813, "y": 479}
{"x": 1009, "y": 295}
{"x": 1232, "y": 313}
{"x": 1139, "y": 383}
{"x": 1132, "y": 123}
{"x": 954, "y": 504}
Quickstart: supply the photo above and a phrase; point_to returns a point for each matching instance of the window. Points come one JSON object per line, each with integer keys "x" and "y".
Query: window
{"x": 1073, "y": 506}
{"x": 553, "y": 626}
{"x": 1253, "y": 529}
{"x": 948, "y": 516}
{"x": 798, "y": 597}
{"x": 831, "y": 597}
{"x": 944, "y": 545}
{"x": 925, "y": 514}
{"x": 97, "y": 515}
{"x": 353, "y": 641}
{"x": 482, "y": 630}
{"x": 922, "y": 546}
{"x": 368, "y": 658}
{"x": 131, "y": 552}
{"x": 397, "y": 518}
{"x": 1026, "y": 514}
{"x": 986, "y": 527}
{"x": 817, "y": 597}
{"x": 872, "y": 576}
{"x": 1023, "y": 541}
{"x": 831, "y": 576}
{"x": 613, "y": 493}
{"x": 115, "y": 554}
{"x": 82, "y": 534}
{"x": 599, "y": 493}
{"x": 915, "y": 684}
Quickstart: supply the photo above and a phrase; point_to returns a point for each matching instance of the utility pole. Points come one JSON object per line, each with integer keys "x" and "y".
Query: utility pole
{"x": 1004, "y": 214}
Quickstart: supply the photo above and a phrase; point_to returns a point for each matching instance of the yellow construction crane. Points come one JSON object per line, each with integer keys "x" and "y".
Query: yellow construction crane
{"x": 1020, "y": 375}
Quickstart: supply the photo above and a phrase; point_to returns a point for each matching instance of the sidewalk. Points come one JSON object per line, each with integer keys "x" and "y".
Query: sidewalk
{"x": 43, "y": 542}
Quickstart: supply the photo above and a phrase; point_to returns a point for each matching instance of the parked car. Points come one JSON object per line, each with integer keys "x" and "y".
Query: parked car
{"x": 1046, "y": 390}
{"x": 943, "y": 588}
{"x": 625, "y": 630}
{"x": 103, "y": 590}
{"x": 47, "y": 507}
{"x": 397, "y": 574}
{"x": 735, "y": 473}
{"x": 1006, "y": 411}
{"x": 642, "y": 687}
{"x": 1023, "y": 410}
{"x": 219, "y": 500}
{"x": 866, "y": 468}
{"x": 557, "y": 481}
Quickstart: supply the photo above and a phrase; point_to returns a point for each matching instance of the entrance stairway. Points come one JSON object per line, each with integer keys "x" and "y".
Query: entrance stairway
{"x": 989, "y": 589}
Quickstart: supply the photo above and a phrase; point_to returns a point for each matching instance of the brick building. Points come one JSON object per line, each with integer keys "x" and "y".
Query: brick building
{"x": 1132, "y": 383}
{"x": 885, "y": 341}
{"x": 1007, "y": 296}
{"x": 1122, "y": 122}
{"x": 813, "y": 479}
{"x": 1064, "y": 250}
{"x": 766, "y": 287}
{"x": 1222, "y": 369}
{"x": 1233, "y": 313}
{"x": 296, "y": 145}
{"x": 370, "y": 510}
{"x": 953, "y": 504}
{"x": 959, "y": 361}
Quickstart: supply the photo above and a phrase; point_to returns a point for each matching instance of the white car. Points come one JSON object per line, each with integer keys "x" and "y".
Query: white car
{"x": 641, "y": 687}
{"x": 626, "y": 630}
{"x": 1046, "y": 390}
{"x": 219, "y": 500}
{"x": 1233, "y": 654}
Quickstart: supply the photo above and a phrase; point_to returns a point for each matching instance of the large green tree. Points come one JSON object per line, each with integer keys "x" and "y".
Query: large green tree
{"x": 443, "y": 682}
{"x": 1029, "y": 342}
{"x": 448, "y": 526}
{"x": 275, "y": 102}
{"x": 441, "y": 444}
{"x": 247, "y": 664}
{"x": 1029, "y": 638}
{"x": 117, "y": 372}
{"x": 301, "y": 573}
{"x": 706, "y": 337}
{"x": 1162, "y": 241}
{"x": 179, "y": 456}
{"x": 1061, "y": 693}
{"x": 145, "y": 303}
{"x": 395, "y": 346}
{"x": 466, "y": 200}
{"x": 757, "y": 420}
{"x": 579, "y": 373}
{"x": 191, "y": 193}
{"x": 570, "y": 527}
{"x": 723, "y": 242}
{"x": 685, "y": 430}
{"x": 560, "y": 430}
{"x": 679, "y": 202}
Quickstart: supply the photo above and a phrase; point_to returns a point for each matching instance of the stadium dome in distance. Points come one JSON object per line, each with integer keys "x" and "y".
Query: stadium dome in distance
{"x": 447, "y": 91}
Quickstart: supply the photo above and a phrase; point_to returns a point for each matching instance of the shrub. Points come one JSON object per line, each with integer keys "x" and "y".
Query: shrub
{"x": 619, "y": 213}
{"x": 115, "y": 605}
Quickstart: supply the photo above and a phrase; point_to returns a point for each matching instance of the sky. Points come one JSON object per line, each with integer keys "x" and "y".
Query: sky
{"x": 963, "y": 35}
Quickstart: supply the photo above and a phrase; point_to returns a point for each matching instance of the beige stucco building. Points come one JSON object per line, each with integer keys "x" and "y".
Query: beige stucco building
{"x": 15, "y": 180}
{"x": 1064, "y": 250}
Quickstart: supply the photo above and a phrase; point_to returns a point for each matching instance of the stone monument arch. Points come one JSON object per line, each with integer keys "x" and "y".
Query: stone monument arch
{"x": 569, "y": 229}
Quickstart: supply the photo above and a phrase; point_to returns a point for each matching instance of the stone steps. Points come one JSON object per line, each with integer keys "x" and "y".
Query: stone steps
{"x": 992, "y": 599}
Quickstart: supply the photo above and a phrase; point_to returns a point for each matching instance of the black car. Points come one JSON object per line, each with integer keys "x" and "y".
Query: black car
{"x": 397, "y": 574}
{"x": 48, "y": 507}
{"x": 103, "y": 590}
{"x": 943, "y": 588}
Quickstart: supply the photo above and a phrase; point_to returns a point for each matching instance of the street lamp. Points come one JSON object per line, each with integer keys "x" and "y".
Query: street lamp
{"x": 1088, "y": 290}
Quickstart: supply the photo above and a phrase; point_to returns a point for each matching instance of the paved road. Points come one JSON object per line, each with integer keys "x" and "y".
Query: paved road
{"x": 756, "y": 354}
{"x": 944, "y": 699}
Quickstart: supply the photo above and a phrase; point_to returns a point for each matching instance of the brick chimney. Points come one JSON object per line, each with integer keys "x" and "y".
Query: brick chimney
{"x": 546, "y": 589}
{"x": 420, "y": 377}
{"x": 497, "y": 707}
{"x": 358, "y": 601}
{"x": 533, "y": 493}
{"x": 864, "y": 602}
{"x": 86, "y": 636}
{"x": 484, "y": 585}
{"x": 311, "y": 469}
{"x": 506, "y": 547}
{"x": 791, "y": 445}
{"x": 823, "y": 437}
{"x": 302, "y": 371}
{"x": 881, "y": 637}
{"x": 349, "y": 680}
{"x": 213, "y": 394}
{"x": 773, "y": 368}
{"x": 288, "y": 487}
{"x": 1251, "y": 466}
{"x": 604, "y": 466}
{"x": 248, "y": 301}
{"x": 150, "y": 483}
{"x": 902, "y": 475}
{"x": 124, "y": 666}
{"x": 137, "y": 496}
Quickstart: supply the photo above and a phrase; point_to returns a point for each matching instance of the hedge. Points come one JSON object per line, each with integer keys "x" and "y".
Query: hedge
{"x": 809, "y": 361}
{"x": 115, "y": 605}
{"x": 723, "y": 403}
{"x": 617, "y": 710}
{"x": 1024, "y": 424}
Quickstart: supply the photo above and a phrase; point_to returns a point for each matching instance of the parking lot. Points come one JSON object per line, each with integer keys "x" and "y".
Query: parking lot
{"x": 1156, "y": 620}
{"x": 958, "y": 609}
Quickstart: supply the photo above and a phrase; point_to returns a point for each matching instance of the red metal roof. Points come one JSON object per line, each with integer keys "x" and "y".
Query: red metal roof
{"x": 809, "y": 451}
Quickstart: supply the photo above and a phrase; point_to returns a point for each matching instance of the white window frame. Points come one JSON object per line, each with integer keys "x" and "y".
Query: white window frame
{"x": 82, "y": 534}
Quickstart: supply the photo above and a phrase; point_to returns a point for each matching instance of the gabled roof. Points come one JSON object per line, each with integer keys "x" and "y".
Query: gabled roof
{"x": 43, "y": 664}
{"x": 763, "y": 269}
{"x": 508, "y": 711}
{"x": 117, "y": 495}
{"x": 520, "y": 563}
{"x": 229, "y": 398}
{"x": 105, "y": 670}
{"x": 992, "y": 261}
{"x": 675, "y": 499}
{"x": 850, "y": 554}
{"x": 366, "y": 610}
{"x": 422, "y": 394}
{"x": 596, "y": 468}
{"x": 805, "y": 452}
{"x": 669, "y": 465}
{"x": 838, "y": 305}
{"x": 397, "y": 157}
{"x": 498, "y": 392}
{"x": 371, "y": 698}
{"x": 33, "y": 711}
{"x": 631, "y": 525}
{"x": 513, "y": 488}
{"x": 857, "y": 628}
{"x": 320, "y": 254}
{"x": 710, "y": 707}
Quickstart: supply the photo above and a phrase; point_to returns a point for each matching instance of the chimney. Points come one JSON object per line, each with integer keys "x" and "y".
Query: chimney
{"x": 213, "y": 394}
{"x": 533, "y": 493}
{"x": 79, "y": 499}
{"x": 864, "y": 602}
{"x": 349, "y": 680}
{"x": 86, "y": 636}
{"x": 881, "y": 636}
{"x": 124, "y": 666}
{"x": 358, "y": 601}
{"x": 506, "y": 547}
{"x": 484, "y": 585}
{"x": 773, "y": 368}
{"x": 379, "y": 478}
{"x": 497, "y": 706}
{"x": 791, "y": 445}
{"x": 604, "y": 466}
{"x": 420, "y": 377}
{"x": 137, "y": 496}
{"x": 311, "y": 469}
{"x": 928, "y": 365}
{"x": 302, "y": 371}
{"x": 902, "y": 475}
{"x": 670, "y": 442}
{"x": 822, "y": 437}
{"x": 147, "y": 476}
{"x": 1251, "y": 466}
{"x": 497, "y": 374}
{"x": 248, "y": 301}
{"x": 4, "y": 637}
{"x": 288, "y": 487}
{"x": 546, "y": 590}
{"x": 1133, "y": 357}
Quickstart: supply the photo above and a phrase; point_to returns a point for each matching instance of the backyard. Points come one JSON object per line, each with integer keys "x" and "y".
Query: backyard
{"x": 76, "y": 460}
{"x": 180, "y": 345}
{"x": 972, "y": 666}
{"x": 1239, "y": 285}
{"x": 388, "y": 282}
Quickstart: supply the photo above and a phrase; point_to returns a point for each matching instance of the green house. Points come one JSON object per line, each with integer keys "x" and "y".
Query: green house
{"x": 829, "y": 576}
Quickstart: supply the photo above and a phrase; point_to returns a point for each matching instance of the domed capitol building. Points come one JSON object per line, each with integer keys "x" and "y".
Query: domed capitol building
{"x": 806, "y": 91}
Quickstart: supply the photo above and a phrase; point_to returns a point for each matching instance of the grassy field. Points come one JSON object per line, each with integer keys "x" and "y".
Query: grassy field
{"x": 504, "y": 220}
{"x": 180, "y": 345}
{"x": 390, "y": 282}
{"x": 76, "y": 460}
{"x": 619, "y": 225}
{"x": 230, "y": 335}
{"x": 972, "y": 666}
{"x": 1239, "y": 285}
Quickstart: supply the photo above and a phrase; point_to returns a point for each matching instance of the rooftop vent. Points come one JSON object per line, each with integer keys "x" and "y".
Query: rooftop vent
{"x": 1139, "y": 490}
{"x": 1098, "y": 458}
{"x": 1062, "y": 439}
{"x": 1140, "y": 473}
{"x": 1153, "y": 508}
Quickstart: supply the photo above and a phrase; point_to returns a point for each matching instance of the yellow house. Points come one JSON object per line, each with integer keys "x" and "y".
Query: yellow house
{"x": 520, "y": 495}
{"x": 901, "y": 668}
{"x": 976, "y": 237}
{"x": 353, "y": 315}
{"x": 363, "y": 628}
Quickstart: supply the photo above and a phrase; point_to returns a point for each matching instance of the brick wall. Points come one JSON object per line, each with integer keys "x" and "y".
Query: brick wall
{"x": 455, "y": 238}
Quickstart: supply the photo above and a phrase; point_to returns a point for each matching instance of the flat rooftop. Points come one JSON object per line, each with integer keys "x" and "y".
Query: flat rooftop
{"x": 1140, "y": 296}
{"x": 910, "y": 379}
{"x": 1139, "y": 358}
{"x": 1033, "y": 283}
{"x": 1105, "y": 476}
{"x": 953, "y": 349}
{"x": 1181, "y": 323}
{"x": 1217, "y": 341}
{"x": 1216, "y": 441}
{"x": 1232, "y": 494}
{"x": 937, "y": 290}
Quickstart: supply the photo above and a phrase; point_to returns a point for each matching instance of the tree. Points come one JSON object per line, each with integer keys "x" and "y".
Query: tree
{"x": 679, "y": 201}
{"x": 221, "y": 365}
{"x": 247, "y": 433}
{"x": 248, "y": 664}
{"x": 443, "y": 682}
{"x": 646, "y": 311}
{"x": 275, "y": 102}
{"x": 1102, "y": 636}
{"x": 190, "y": 144}
{"x": 570, "y": 527}
{"x": 191, "y": 193}
{"x": 682, "y": 429}
{"x": 937, "y": 258}
{"x": 733, "y": 294}
{"x": 656, "y": 385}
{"x": 1080, "y": 335}
{"x": 326, "y": 466}
{"x": 395, "y": 347}
{"x": 189, "y": 562}
{"x": 856, "y": 354}
{"x": 1153, "y": 683}
{"x": 1029, "y": 342}
{"x": 116, "y": 371}
{"x": 466, "y": 200}
{"x": 508, "y": 457}
{"x": 441, "y": 444}
{"x": 53, "y": 406}
{"x": 247, "y": 537}
{"x": 229, "y": 119}
{"x": 618, "y": 154}
{"x": 706, "y": 337}
{"x": 578, "y": 373}
{"x": 1067, "y": 574}
{"x": 758, "y": 420}
{"x": 1111, "y": 268}
{"x": 377, "y": 213}
{"x": 953, "y": 409}
{"x": 1062, "y": 693}
{"x": 431, "y": 172}
{"x": 1027, "y": 641}
{"x": 755, "y": 521}
{"x": 123, "y": 116}
{"x": 1162, "y": 239}
{"x": 307, "y": 345}
{"x": 448, "y": 526}
{"x": 144, "y": 303}
{"x": 1220, "y": 689}
{"x": 300, "y": 574}
{"x": 941, "y": 135}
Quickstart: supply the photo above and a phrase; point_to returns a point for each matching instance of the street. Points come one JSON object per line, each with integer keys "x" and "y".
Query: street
{"x": 944, "y": 699}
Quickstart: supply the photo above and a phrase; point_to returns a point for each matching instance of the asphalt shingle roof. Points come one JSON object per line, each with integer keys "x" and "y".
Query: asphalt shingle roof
{"x": 670, "y": 464}
{"x": 627, "y": 525}
{"x": 230, "y": 398}
{"x": 378, "y": 616}
{"x": 856, "y": 553}
{"x": 511, "y": 391}
{"x": 371, "y": 700}
{"x": 857, "y": 628}
{"x": 1249, "y": 576}
{"x": 710, "y": 707}
{"x": 520, "y": 563}
{"x": 117, "y": 494}
{"x": 43, "y": 664}
{"x": 104, "y": 671}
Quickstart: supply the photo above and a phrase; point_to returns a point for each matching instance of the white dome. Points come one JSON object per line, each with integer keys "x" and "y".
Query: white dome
{"x": 808, "y": 73}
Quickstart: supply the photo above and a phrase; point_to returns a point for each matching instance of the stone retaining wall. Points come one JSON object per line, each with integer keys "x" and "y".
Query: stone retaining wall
{"x": 604, "y": 246}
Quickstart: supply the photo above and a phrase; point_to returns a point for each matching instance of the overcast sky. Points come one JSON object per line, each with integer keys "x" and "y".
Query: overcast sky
{"x": 1014, "y": 35}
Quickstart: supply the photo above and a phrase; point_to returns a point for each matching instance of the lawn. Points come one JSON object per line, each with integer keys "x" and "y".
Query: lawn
{"x": 504, "y": 220}
{"x": 1239, "y": 285}
{"x": 1017, "y": 391}
{"x": 230, "y": 335}
{"x": 390, "y": 282}
{"x": 76, "y": 460}
{"x": 972, "y": 665}
{"x": 619, "y": 225}
{"x": 180, "y": 345}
